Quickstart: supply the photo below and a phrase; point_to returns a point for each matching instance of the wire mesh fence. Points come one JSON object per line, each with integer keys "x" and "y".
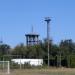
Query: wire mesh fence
{"x": 21, "y": 62}
{"x": 4, "y": 67}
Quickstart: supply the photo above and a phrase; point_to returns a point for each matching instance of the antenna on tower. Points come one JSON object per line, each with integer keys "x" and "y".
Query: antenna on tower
{"x": 32, "y": 29}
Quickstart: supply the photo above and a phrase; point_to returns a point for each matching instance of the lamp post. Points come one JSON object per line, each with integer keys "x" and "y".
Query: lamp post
{"x": 47, "y": 19}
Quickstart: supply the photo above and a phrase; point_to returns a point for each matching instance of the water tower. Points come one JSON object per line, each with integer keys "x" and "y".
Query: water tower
{"x": 32, "y": 38}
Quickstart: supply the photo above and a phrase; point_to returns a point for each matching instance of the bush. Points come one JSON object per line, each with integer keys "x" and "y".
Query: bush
{"x": 72, "y": 61}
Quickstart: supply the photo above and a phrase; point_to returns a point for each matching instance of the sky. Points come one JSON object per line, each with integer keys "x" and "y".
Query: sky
{"x": 18, "y": 16}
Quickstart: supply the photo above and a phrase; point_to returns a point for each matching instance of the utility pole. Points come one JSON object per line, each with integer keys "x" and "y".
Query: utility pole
{"x": 60, "y": 58}
{"x": 47, "y": 19}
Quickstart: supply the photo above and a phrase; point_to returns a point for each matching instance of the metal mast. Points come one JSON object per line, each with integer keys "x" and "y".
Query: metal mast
{"x": 47, "y": 19}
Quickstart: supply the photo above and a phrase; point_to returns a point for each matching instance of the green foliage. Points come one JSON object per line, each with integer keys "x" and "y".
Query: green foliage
{"x": 14, "y": 65}
{"x": 4, "y": 50}
{"x": 72, "y": 61}
{"x": 59, "y": 54}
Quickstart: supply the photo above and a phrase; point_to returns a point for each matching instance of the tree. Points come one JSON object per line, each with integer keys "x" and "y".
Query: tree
{"x": 20, "y": 51}
{"x": 4, "y": 49}
{"x": 67, "y": 47}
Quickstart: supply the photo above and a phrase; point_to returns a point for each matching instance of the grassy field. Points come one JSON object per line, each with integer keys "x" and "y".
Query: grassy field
{"x": 50, "y": 71}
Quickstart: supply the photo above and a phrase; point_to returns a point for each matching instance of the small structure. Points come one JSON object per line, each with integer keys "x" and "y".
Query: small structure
{"x": 32, "y": 38}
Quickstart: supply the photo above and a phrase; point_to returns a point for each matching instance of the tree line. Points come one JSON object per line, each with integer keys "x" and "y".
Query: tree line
{"x": 62, "y": 54}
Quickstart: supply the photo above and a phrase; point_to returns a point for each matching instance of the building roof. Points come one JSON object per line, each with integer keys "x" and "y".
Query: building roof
{"x": 31, "y": 34}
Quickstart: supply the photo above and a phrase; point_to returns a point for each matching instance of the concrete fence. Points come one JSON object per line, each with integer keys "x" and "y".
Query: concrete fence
{"x": 32, "y": 62}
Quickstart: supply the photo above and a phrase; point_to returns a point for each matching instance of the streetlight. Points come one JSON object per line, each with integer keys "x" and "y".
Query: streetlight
{"x": 47, "y": 19}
